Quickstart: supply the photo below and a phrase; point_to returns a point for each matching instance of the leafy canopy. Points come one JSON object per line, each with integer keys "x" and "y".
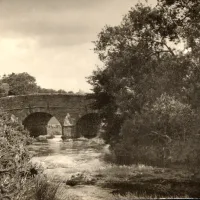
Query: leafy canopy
{"x": 142, "y": 58}
{"x": 154, "y": 51}
{"x": 21, "y": 83}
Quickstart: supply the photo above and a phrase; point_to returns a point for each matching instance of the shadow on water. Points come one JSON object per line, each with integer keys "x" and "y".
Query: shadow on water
{"x": 58, "y": 146}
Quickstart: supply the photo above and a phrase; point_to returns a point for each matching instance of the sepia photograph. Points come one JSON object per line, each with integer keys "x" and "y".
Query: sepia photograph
{"x": 99, "y": 99}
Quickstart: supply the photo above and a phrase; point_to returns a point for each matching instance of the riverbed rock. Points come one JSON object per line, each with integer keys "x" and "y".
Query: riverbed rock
{"x": 82, "y": 139}
{"x": 81, "y": 178}
{"x": 50, "y": 136}
{"x": 42, "y": 138}
{"x": 64, "y": 137}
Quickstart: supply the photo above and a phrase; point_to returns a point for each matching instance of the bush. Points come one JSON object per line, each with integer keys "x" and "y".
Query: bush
{"x": 14, "y": 157}
{"x": 162, "y": 134}
{"x": 186, "y": 153}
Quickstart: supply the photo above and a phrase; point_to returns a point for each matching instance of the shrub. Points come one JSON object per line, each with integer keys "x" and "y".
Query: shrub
{"x": 14, "y": 157}
{"x": 186, "y": 153}
{"x": 161, "y": 134}
{"x": 45, "y": 189}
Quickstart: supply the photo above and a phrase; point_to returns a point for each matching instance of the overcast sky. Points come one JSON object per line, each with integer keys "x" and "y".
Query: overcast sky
{"x": 51, "y": 39}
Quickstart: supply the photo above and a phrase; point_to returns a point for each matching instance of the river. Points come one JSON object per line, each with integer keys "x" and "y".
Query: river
{"x": 63, "y": 159}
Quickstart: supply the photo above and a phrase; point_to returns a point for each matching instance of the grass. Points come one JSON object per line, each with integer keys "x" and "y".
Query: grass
{"x": 146, "y": 180}
{"x": 41, "y": 188}
{"x": 130, "y": 196}
{"x": 63, "y": 195}
{"x": 125, "y": 182}
{"x": 45, "y": 189}
{"x": 123, "y": 172}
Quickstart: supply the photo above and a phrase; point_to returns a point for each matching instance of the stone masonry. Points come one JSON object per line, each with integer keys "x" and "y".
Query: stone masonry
{"x": 35, "y": 110}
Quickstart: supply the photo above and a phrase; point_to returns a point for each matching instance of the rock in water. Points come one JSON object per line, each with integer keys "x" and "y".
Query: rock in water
{"x": 80, "y": 179}
{"x": 42, "y": 138}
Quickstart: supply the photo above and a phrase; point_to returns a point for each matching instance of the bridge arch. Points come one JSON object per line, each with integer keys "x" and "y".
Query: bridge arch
{"x": 88, "y": 125}
{"x": 36, "y": 123}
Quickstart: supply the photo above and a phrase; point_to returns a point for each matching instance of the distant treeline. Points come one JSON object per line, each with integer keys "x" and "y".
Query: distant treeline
{"x": 23, "y": 83}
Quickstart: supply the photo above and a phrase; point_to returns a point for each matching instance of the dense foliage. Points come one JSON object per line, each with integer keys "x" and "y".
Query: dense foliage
{"x": 164, "y": 133}
{"x": 14, "y": 157}
{"x": 21, "y": 83}
{"x": 148, "y": 88}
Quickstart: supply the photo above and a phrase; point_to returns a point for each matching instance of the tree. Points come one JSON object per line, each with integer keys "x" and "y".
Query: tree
{"x": 4, "y": 89}
{"x": 132, "y": 53}
{"x": 163, "y": 133}
{"x": 21, "y": 83}
{"x": 141, "y": 63}
{"x": 184, "y": 16}
{"x": 62, "y": 91}
{"x": 44, "y": 90}
{"x": 48, "y": 91}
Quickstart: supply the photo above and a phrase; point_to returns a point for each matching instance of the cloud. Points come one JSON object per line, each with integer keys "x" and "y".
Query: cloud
{"x": 53, "y": 68}
{"x": 68, "y": 21}
{"x": 51, "y": 39}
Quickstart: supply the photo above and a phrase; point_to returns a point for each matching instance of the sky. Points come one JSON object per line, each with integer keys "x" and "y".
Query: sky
{"x": 52, "y": 39}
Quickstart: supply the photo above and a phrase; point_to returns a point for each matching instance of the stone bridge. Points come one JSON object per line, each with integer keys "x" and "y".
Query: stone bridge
{"x": 35, "y": 110}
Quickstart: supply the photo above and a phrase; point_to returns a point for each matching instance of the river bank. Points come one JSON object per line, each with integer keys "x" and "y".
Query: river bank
{"x": 79, "y": 168}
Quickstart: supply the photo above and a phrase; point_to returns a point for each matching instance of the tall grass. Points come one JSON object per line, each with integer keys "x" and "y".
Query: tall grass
{"x": 130, "y": 196}
{"x": 41, "y": 188}
{"x": 45, "y": 189}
